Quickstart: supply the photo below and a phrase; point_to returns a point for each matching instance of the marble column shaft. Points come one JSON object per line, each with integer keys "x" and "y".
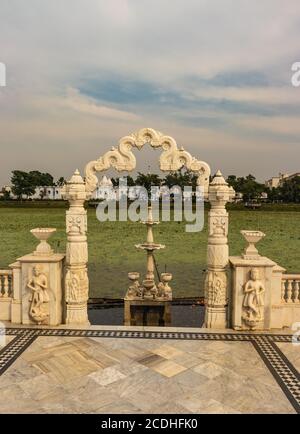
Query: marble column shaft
{"x": 216, "y": 284}
{"x": 76, "y": 275}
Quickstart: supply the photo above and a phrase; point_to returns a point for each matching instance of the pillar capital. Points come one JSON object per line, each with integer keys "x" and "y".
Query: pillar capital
{"x": 75, "y": 190}
{"x": 219, "y": 192}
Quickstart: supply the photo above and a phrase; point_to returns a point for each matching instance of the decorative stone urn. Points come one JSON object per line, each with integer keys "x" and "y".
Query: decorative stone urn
{"x": 149, "y": 289}
{"x": 133, "y": 276}
{"x": 134, "y": 289}
{"x": 252, "y": 237}
{"x": 43, "y": 234}
{"x": 166, "y": 278}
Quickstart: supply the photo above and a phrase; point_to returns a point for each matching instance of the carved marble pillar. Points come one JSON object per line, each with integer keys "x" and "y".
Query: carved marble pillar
{"x": 216, "y": 283}
{"x": 76, "y": 277}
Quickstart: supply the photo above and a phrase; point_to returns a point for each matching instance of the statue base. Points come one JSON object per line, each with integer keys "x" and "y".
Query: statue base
{"x": 147, "y": 313}
{"x": 46, "y": 307}
{"x": 241, "y": 315}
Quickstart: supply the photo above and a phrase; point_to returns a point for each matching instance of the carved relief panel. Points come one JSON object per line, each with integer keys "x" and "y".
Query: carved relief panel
{"x": 216, "y": 288}
{"x": 218, "y": 225}
{"x": 253, "y": 302}
{"x": 39, "y": 298}
{"x": 76, "y": 286}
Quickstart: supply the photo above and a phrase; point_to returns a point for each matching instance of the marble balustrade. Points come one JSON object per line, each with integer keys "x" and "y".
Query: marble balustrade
{"x": 290, "y": 288}
{"x": 6, "y": 283}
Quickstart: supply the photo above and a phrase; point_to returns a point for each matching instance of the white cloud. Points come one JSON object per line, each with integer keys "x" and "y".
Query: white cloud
{"x": 50, "y": 46}
{"x": 276, "y": 124}
{"x": 253, "y": 94}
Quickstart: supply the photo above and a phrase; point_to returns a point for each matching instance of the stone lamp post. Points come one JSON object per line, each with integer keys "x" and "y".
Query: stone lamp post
{"x": 150, "y": 247}
{"x": 149, "y": 302}
{"x": 76, "y": 277}
{"x": 216, "y": 284}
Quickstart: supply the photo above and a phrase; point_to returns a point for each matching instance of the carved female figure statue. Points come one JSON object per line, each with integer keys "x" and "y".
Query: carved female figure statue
{"x": 39, "y": 299}
{"x": 73, "y": 285}
{"x": 253, "y": 303}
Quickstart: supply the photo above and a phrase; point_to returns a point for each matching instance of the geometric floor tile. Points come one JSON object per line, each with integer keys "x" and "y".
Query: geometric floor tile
{"x": 209, "y": 370}
{"x": 128, "y": 371}
{"x": 107, "y": 376}
{"x": 168, "y": 368}
{"x": 159, "y": 364}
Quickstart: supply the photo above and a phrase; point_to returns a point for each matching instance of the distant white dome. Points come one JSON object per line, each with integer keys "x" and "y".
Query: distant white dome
{"x": 105, "y": 182}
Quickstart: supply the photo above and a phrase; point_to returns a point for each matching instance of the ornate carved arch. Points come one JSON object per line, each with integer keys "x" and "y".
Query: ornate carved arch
{"x": 123, "y": 160}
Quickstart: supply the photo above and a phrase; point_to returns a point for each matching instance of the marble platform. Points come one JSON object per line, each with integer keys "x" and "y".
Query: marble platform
{"x": 147, "y": 370}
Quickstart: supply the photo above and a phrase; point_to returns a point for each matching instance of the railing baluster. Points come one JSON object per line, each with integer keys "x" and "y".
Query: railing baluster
{"x": 283, "y": 282}
{"x": 297, "y": 291}
{"x": 5, "y": 286}
{"x": 6, "y": 283}
{"x": 290, "y": 288}
{"x": 289, "y": 291}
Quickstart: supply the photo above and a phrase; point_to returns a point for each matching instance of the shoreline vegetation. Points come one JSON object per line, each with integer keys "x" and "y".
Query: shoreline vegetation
{"x": 40, "y": 204}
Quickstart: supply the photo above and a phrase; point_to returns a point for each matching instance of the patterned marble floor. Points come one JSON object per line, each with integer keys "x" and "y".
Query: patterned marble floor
{"x": 88, "y": 374}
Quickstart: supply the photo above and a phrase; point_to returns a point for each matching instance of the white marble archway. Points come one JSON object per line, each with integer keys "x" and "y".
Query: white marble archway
{"x": 123, "y": 159}
{"x": 172, "y": 158}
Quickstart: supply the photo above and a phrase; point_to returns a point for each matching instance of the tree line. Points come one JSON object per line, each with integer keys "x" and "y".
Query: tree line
{"x": 287, "y": 192}
{"x": 25, "y": 184}
{"x": 250, "y": 189}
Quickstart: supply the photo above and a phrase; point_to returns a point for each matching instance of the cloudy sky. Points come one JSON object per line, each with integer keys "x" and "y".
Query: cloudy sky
{"x": 214, "y": 74}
